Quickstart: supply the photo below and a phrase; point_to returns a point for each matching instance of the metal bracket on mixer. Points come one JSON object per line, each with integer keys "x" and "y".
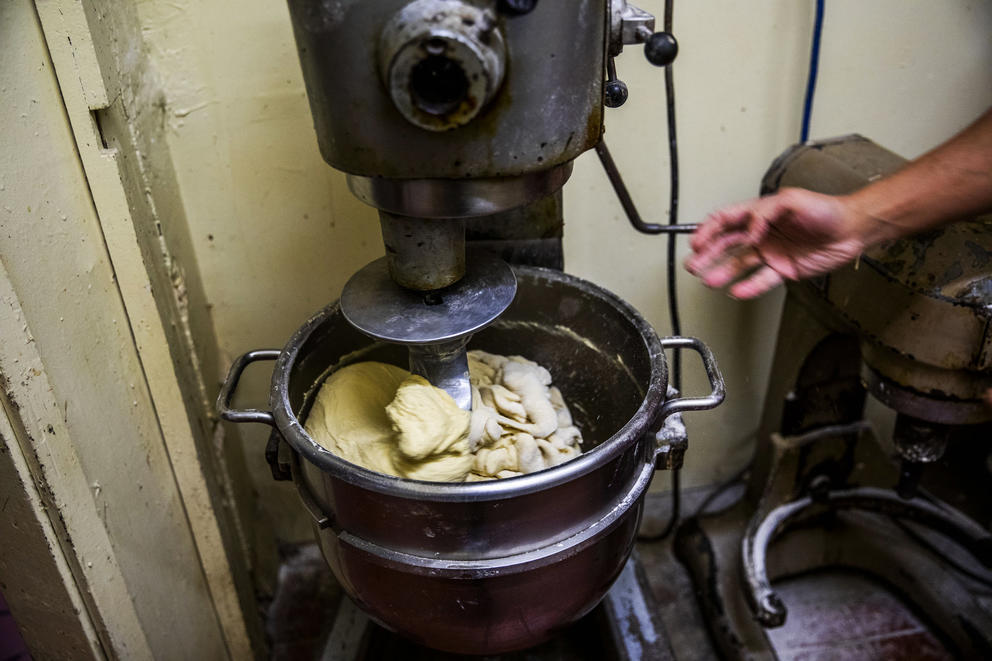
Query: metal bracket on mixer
{"x": 321, "y": 519}
{"x": 670, "y": 451}
{"x": 275, "y": 455}
{"x": 627, "y": 202}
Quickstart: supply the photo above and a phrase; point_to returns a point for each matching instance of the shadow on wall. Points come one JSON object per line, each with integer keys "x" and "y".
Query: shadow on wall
{"x": 12, "y": 646}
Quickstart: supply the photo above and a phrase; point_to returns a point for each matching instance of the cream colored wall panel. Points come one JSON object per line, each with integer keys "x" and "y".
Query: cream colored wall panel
{"x": 909, "y": 71}
{"x": 40, "y": 432}
{"x": 56, "y": 288}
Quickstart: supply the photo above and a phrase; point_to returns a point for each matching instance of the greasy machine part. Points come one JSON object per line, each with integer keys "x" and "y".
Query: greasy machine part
{"x": 921, "y": 306}
{"x": 535, "y": 107}
{"x": 423, "y": 253}
{"x": 435, "y": 324}
{"x": 909, "y": 324}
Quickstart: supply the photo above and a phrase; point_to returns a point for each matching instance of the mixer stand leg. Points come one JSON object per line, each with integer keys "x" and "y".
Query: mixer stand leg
{"x": 729, "y": 556}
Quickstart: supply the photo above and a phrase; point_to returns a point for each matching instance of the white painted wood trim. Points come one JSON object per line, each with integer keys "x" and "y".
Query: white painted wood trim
{"x": 57, "y": 472}
{"x": 77, "y": 67}
{"x": 54, "y": 552}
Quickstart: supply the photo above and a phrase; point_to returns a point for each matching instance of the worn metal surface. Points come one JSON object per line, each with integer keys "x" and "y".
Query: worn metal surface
{"x": 458, "y": 198}
{"x": 557, "y": 320}
{"x": 490, "y": 605}
{"x": 553, "y": 87}
{"x": 624, "y": 627}
{"x": 922, "y": 306}
{"x": 423, "y": 254}
{"x": 442, "y": 61}
{"x": 384, "y": 311}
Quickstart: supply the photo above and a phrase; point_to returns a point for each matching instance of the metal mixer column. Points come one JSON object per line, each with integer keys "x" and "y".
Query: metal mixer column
{"x": 423, "y": 254}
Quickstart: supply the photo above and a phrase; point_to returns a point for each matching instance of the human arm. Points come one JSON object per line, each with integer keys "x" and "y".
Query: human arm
{"x": 797, "y": 234}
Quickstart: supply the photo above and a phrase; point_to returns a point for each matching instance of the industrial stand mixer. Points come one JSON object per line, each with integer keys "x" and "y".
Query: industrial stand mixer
{"x": 445, "y": 113}
{"x": 908, "y": 324}
{"x": 442, "y": 111}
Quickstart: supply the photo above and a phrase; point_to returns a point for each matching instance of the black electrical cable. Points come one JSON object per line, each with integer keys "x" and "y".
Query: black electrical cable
{"x": 673, "y": 305}
{"x": 673, "y": 302}
{"x": 673, "y": 206}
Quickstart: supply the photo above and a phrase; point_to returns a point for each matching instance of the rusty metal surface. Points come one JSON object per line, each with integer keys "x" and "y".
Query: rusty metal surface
{"x": 922, "y": 305}
{"x": 709, "y": 548}
{"x": 815, "y": 382}
{"x": 361, "y": 132}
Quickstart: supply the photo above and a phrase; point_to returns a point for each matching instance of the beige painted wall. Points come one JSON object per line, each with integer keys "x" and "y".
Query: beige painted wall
{"x": 276, "y": 233}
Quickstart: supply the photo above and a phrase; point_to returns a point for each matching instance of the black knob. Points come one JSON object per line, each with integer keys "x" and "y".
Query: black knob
{"x": 661, "y": 49}
{"x": 516, "y": 7}
{"x": 614, "y": 93}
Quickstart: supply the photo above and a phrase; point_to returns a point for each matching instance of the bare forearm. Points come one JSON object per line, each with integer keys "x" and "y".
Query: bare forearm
{"x": 951, "y": 182}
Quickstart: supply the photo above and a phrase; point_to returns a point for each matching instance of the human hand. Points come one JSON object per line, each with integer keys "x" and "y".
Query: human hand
{"x": 787, "y": 236}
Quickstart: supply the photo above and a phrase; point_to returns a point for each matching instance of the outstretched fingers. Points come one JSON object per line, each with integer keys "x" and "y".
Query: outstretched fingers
{"x": 762, "y": 280}
{"x": 729, "y": 219}
{"x": 736, "y": 265}
{"x": 716, "y": 251}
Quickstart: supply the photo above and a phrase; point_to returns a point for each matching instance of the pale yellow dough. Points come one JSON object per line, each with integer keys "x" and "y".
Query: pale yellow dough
{"x": 388, "y": 420}
{"x": 383, "y": 418}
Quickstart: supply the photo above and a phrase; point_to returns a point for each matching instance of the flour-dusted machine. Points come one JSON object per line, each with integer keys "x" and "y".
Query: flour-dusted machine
{"x": 456, "y": 116}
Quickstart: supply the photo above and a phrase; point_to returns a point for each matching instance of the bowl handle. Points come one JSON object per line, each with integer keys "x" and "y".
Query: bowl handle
{"x": 718, "y": 389}
{"x": 231, "y": 383}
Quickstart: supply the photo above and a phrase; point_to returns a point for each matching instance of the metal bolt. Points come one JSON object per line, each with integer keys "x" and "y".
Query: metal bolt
{"x": 661, "y": 48}
{"x": 819, "y": 488}
{"x": 614, "y": 93}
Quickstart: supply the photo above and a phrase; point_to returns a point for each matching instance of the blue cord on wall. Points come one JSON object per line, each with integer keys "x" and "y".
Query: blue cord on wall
{"x": 814, "y": 65}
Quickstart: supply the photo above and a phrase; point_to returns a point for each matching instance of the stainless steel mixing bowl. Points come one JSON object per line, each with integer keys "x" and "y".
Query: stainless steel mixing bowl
{"x": 488, "y": 567}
